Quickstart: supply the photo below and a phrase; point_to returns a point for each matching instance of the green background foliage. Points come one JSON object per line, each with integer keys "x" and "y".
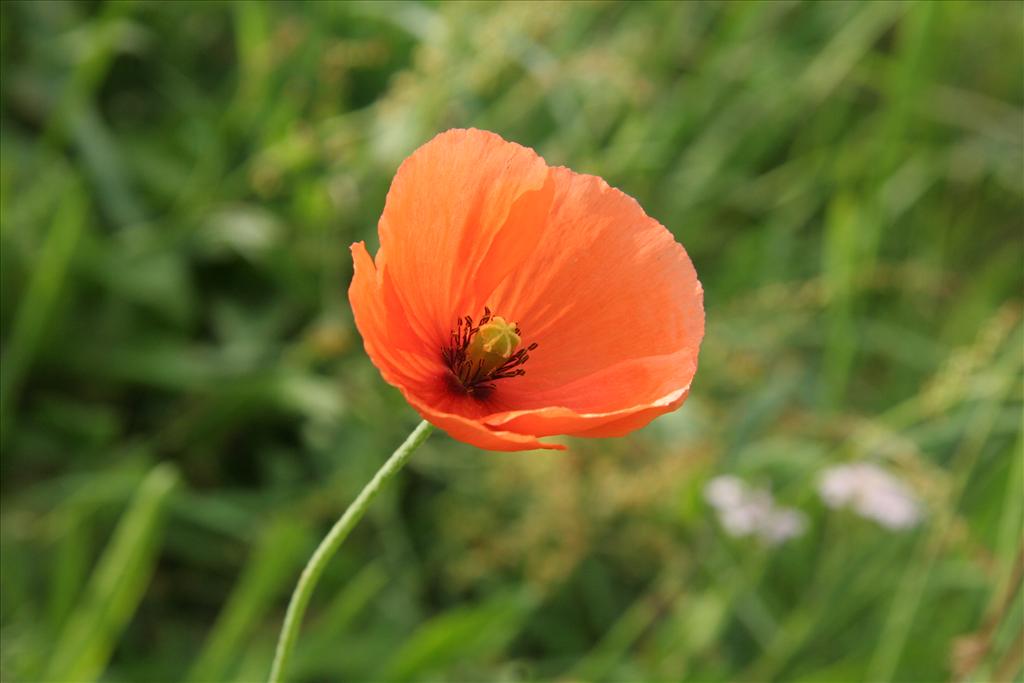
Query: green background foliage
{"x": 186, "y": 406}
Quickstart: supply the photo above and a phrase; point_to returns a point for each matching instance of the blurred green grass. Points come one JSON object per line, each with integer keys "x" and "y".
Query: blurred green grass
{"x": 185, "y": 405}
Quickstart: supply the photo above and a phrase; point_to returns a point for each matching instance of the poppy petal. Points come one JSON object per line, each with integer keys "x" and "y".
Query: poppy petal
{"x": 608, "y": 295}
{"x": 464, "y": 208}
{"x": 476, "y": 433}
{"x": 596, "y": 403}
{"x": 389, "y": 341}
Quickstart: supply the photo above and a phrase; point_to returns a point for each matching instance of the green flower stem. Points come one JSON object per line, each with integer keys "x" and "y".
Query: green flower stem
{"x": 332, "y": 541}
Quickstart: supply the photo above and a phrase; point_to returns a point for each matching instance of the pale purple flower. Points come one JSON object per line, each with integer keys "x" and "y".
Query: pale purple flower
{"x": 745, "y": 511}
{"x": 871, "y": 492}
{"x": 725, "y": 491}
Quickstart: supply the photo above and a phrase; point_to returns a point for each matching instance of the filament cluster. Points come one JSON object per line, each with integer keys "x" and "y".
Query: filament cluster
{"x": 468, "y": 374}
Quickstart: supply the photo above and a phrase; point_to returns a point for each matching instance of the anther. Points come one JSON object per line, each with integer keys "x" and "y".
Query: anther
{"x": 477, "y": 355}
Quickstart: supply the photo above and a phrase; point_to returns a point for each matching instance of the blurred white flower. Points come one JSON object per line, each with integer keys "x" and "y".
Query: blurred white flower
{"x": 872, "y": 493}
{"x": 744, "y": 511}
{"x": 724, "y": 491}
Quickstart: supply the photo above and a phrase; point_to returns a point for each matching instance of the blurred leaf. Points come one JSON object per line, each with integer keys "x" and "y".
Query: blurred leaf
{"x": 116, "y": 586}
{"x": 34, "y": 310}
{"x": 462, "y": 635}
{"x": 275, "y": 562}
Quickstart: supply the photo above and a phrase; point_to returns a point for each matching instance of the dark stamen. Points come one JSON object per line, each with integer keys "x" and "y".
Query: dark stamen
{"x": 467, "y": 375}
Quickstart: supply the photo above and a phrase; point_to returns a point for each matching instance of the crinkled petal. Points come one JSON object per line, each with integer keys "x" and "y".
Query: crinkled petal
{"x": 462, "y": 212}
{"x": 389, "y": 341}
{"x": 603, "y": 417}
{"x": 612, "y": 300}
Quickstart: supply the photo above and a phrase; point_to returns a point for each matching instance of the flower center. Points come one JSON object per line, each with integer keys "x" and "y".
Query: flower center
{"x": 478, "y": 355}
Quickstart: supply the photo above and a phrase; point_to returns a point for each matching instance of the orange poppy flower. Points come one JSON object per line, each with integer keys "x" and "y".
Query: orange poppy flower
{"x": 510, "y": 300}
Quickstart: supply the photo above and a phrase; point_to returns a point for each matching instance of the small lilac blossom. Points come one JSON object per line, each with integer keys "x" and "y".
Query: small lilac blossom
{"x": 872, "y": 493}
{"x": 724, "y": 491}
{"x": 745, "y": 511}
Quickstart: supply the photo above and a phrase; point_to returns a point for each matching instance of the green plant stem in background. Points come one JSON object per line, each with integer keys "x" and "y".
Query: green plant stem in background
{"x": 315, "y": 567}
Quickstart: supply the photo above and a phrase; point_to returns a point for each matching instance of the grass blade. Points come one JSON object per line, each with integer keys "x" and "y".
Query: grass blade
{"x": 116, "y": 586}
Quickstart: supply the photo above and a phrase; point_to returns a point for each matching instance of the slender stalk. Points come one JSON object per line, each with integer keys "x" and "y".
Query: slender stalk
{"x": 332, "y": 541}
